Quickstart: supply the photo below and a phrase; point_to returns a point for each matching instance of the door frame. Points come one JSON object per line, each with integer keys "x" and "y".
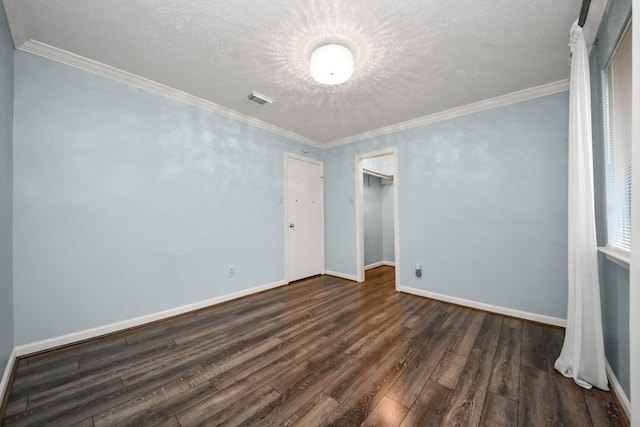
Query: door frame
{"x": 360, "y": 211}
{"x": 285, "y": 202}
{"x": 634, "y": 278}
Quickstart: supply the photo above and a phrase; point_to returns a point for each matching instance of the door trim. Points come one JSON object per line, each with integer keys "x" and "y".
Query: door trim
{"x": 285, "y": 199}
{"x": 360, "y": 211}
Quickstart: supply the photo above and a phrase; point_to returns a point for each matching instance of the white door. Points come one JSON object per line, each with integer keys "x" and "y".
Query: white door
{"x": 305, "y": 217}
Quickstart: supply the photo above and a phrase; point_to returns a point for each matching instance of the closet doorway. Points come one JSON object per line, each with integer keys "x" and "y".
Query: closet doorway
{"x": 377, "y": 211}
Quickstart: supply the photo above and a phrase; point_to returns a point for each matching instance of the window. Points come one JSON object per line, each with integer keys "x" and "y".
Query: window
{"x": 617, "y": 112}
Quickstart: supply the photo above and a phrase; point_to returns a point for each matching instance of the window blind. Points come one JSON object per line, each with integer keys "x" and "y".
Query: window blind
{"x": 618, "y": 125}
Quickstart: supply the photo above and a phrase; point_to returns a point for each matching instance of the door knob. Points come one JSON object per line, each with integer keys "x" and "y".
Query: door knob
{"x": 292, "y": 225}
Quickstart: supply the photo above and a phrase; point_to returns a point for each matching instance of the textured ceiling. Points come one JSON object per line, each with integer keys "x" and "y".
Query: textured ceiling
{"x": 414, "y": 57}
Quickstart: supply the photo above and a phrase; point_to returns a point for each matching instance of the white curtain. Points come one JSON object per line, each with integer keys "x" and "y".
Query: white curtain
{"x": 582, "y": 356}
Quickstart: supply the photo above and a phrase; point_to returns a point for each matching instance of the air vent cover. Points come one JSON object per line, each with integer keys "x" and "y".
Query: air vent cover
{"x": 260, "y": 99}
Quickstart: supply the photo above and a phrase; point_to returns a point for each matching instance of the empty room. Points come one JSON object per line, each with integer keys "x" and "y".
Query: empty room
{"x": 315, "y": 213}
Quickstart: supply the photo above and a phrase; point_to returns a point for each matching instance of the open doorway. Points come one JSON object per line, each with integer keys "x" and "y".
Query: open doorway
{"x": 377, "y": 211}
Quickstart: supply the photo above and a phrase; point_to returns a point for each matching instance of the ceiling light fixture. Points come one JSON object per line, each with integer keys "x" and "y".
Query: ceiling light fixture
{"x": 331, "y": 64}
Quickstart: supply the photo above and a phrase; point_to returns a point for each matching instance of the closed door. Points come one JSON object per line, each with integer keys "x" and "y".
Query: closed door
{"x": 305, "y": 218}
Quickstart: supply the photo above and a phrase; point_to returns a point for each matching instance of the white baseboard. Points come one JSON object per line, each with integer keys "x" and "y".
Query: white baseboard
{"x": 7, "y": 374}
{"x": 341, "y": 275}
{"x": 618, "y": 390}
{"x": 374, "y": 265}
{"x": 74, "y": 337}
{"x": 380, "y": 264}
{"x": 540, "y": 318}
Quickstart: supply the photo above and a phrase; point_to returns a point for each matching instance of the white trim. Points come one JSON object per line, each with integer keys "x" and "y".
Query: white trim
{"x": 396, "y": 218}
{"x": 50, "y": 52}
{"x": 540, "y": 318}
{"x": 7, "y": 374}
{"x": 618, "y": 390}
{"x": 47, "y": 51}
{"x": 341, "y": 275}
{"x": 360, "y": 217}
{"x": 285, "y": 211}
{"x": 74, "y": 337}
{"x": 476, "y": 107}
{"x": 374, "y": 265}
{"x": 634, "y": 274}
{"x": 615, "y": 256}
{"x": 379, "y": 264}
{"x": 77, "y": 61}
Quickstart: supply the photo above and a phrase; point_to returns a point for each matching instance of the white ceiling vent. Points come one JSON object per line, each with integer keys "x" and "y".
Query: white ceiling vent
{"x": 260, "y": 99}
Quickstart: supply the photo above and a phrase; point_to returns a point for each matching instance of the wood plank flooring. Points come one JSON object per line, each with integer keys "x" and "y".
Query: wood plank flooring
{"x": 319, "y": 352}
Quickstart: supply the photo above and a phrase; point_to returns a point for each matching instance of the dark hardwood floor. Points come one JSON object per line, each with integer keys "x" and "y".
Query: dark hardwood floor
{"x": 323, "y": 351}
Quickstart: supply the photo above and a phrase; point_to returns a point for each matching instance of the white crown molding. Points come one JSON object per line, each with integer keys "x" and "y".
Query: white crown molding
{"x": 476, "y": 107}
{"x": 618, "y": 390}
{"x": 74, "y": 337}
{"x": 50, "y": 52}
{"x": 540, "y": 318}
{"x": 77, "y": 61}
{"x": 8, "y": 370}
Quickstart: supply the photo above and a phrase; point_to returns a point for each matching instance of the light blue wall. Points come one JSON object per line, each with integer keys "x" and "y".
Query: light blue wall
{"x": 128, "y": 203}
{"x": 6, "y": 189}
{"x": 388, "y": 242}
{"x": 614, "y": 280}
{"x": 482, "y": 205}
{"x": 372, "y": 201}
{"x": 614, "y": 295}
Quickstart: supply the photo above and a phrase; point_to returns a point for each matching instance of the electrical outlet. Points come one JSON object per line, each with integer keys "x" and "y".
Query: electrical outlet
{"x": 232, "y": 271}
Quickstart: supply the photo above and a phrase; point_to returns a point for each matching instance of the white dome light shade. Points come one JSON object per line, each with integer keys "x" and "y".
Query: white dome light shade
{"x": 331, "y": 64}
